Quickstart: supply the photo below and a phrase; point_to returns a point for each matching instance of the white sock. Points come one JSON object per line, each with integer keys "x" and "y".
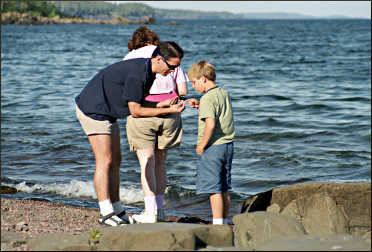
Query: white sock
{"x": 105, "y": 207}
{"x": 225, "y": 221}
{"x": 217, "y": 221}
{"x": 159, "y": 200}
{"x": 118, "y": 208}
{"x": 150, "y": 204}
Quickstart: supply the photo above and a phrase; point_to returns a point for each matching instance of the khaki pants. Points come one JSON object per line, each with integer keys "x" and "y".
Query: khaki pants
{"x": 154, "y": 132}
{"x": 91, "y": 126}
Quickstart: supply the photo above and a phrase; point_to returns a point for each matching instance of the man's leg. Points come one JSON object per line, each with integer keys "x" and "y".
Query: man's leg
{"x": 101, "y": 146}
{"x": 102, "y": 149}
{"x": 114, "y": 175}
{"x": 217, "y": 205}
{"x": 226, "y": 206}
{"x": 114, "y": 178}
{"x": 161, "y": 181}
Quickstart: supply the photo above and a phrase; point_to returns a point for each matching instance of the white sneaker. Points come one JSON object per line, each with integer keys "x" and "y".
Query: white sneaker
{"x": 144, "y": 217}
{"x": 161, "y": 215}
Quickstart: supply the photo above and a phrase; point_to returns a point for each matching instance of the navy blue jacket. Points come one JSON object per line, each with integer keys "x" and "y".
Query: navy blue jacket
{"x": 107, "y": 94}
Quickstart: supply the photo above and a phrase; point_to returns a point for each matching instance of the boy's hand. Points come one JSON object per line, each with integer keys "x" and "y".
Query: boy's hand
{"x": 193, "y": 103}
{"x": 199, "y": 150}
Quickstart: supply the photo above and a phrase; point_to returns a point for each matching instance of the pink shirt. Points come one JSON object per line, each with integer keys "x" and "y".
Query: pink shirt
{"x": 164, "y": 87}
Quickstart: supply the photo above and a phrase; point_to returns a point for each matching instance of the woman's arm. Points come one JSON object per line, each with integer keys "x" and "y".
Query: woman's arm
{"x": 182, "y": 89}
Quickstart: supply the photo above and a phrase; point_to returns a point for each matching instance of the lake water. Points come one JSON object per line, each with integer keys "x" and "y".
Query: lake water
{"x": 301, "y": 94}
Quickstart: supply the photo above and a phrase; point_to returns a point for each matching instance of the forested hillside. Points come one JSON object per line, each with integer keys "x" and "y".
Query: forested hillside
{"x": 93, "y": 9}
{"x": 34, "y": 8}
{"x": 74, "y": 12}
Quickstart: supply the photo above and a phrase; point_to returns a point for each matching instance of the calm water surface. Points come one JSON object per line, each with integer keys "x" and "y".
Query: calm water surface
{"x": 301, "y": 93}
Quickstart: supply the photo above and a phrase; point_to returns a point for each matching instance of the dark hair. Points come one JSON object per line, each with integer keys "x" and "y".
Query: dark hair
{"x": 168, "y": 49}
{"x": 177, "y": 47}
{"x": 142, "y": 37}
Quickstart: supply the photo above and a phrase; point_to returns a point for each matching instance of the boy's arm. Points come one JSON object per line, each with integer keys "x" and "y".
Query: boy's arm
{"x": 208, "y": 131}
{"x": 193, "y": 103}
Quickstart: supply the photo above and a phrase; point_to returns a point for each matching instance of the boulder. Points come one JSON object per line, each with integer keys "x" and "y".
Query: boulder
{"x": 332, "y": 242}
{"x": 140, "y": 237}
{"x": 318, "y": 214}
{"x": 252, "y": 229}
{"x": 352, "y": 199}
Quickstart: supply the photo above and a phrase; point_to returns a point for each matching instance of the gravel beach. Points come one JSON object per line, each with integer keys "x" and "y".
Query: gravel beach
{"x": 24, "y": 219}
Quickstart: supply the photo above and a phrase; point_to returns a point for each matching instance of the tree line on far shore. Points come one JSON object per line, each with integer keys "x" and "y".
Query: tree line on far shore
{"x": 34, "y": 8}
{"x": 77, "y": 9}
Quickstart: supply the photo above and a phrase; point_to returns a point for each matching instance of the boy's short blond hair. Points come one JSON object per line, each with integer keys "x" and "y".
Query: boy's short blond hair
{"x": 202, "y": 68}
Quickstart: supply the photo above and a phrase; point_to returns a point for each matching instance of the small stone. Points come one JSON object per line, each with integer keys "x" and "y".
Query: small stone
{"x": 44, "y": 224}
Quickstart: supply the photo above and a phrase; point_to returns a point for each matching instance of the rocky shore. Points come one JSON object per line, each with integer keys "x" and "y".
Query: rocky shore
{"x": 303, "y": 217}
{"x": 27, "y": 19}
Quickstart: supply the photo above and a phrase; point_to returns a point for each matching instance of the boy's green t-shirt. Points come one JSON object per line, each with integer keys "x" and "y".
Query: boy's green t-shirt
{"x": 216, "y": 103}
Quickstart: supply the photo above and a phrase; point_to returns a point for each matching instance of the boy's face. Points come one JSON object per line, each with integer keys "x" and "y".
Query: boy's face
{"x": 197, "y": 84}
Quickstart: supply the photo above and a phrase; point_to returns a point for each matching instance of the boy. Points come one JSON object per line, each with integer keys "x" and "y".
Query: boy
{"x": 215, "y": 139}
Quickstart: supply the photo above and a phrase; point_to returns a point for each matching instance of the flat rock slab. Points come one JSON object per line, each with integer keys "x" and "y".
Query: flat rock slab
{"x": 160, "y": 236}
{"x": 333, "y": 242}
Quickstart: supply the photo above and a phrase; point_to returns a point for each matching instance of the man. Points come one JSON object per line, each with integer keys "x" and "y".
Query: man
{"x": 116, "y": 92}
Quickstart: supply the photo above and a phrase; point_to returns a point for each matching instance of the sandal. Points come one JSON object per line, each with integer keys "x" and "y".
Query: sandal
{"x": 124, "y": 216}
{"x": 113, "y": 221}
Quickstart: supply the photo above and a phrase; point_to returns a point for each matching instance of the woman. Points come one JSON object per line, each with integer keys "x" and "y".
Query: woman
{"x": 152, "y": 136}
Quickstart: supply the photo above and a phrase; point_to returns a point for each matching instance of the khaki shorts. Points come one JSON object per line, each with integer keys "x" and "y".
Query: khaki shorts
{"x": 93, "y": 127}
{"x": 150, "y": 132}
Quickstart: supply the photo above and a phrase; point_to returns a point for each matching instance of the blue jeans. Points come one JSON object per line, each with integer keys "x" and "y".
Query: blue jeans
{"x": 214, "y": 169}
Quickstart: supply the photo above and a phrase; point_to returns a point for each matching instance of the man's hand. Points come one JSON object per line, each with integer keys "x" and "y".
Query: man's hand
{"x": 168, "y": 102}
{"x": 178, "y": 108}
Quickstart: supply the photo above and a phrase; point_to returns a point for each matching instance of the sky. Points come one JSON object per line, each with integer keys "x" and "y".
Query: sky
{"x": 355, "y": 9}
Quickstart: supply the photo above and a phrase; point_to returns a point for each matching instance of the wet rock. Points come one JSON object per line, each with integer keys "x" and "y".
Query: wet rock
{"x": 252, "y": 229}
{"x": 334, "y": 242}
{"x": 7, "y": 190}
{"x": 318, "y": 214}
{"x": 352, "y": 199}
{"x": 160, "y": 236}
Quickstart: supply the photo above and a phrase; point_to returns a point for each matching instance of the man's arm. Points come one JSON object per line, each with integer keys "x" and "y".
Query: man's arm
{"x": 208, "y": 131}
{"x": 136, "y": 110}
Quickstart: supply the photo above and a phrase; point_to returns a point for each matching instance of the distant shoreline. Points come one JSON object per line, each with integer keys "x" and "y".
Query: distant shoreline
{"x": 16, "y": 18}
{"x": 27, "y": 19}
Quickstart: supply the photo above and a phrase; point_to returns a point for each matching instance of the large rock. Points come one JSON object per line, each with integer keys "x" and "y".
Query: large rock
{"x": 160, "y": 236}
{"x": 333, "y": 242}
{"x": 353, "y": 199}
{"x": 318, "y": 214}
{"x": 252, "y": 229}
